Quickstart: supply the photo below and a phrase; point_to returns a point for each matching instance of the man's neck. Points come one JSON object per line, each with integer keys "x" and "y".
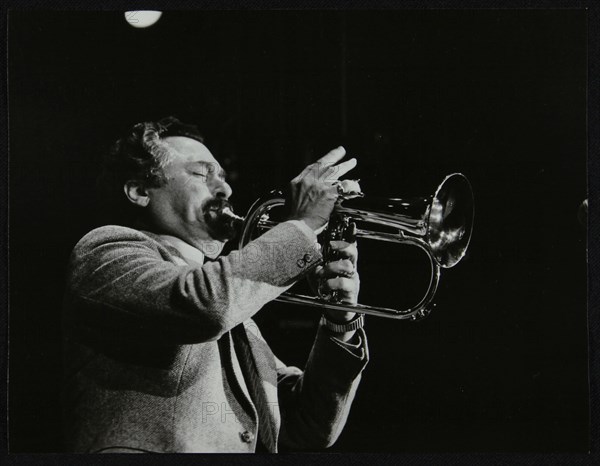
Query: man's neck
{"x": 211, "y": 248}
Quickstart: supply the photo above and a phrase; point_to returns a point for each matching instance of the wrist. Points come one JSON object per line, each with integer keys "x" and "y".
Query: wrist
{"x": 310, "y": 223}
{"x": 313, "y": 223}
{"x": 304, "y": 228}
{"x": 339, "y": 317}
{"x": 345, "y": 328}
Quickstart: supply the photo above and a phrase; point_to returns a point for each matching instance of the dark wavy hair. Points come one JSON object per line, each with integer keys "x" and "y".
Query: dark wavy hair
{"x": 141, "y": 156}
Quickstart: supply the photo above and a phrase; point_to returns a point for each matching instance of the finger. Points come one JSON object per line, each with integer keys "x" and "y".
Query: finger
{"x": 343, "y": 268}
{"x": 326, "y": 171}
{"x": 342, "y": 284}
{"x": 316, "y": 169}
{"x": 337, "y": 171}
{"x": 303, "y": 173}
{"x": 318, "y": 271}
{"x": 333, "y": 156}
{"x": 345, "y": 250}
{"x": 313, "y": 279}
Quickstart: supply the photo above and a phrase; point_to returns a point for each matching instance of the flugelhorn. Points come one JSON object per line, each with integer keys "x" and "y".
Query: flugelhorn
{"x": 440, "y": 225}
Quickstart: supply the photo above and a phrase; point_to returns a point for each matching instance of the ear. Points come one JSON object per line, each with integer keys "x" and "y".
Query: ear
{"x": 136, "y": 193}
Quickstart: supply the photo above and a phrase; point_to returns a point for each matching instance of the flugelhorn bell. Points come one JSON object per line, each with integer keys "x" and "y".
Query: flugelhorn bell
{"x": 440, "y": 225}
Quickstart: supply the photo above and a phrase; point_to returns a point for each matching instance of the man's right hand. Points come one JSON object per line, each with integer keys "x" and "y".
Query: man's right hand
{"x": 314, "y": 191}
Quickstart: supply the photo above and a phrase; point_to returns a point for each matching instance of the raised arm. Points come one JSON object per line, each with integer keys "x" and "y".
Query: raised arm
{"x": 122, "y": 282}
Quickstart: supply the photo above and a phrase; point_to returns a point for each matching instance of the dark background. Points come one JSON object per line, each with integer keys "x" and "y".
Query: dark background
{"x": 501, "y": 363}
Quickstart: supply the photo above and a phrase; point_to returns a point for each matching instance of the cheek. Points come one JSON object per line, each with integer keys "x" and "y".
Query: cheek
{"x": 191, "y": 198}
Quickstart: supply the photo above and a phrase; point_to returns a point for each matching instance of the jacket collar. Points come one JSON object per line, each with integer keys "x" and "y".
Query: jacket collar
{"x": 187, "y": 251}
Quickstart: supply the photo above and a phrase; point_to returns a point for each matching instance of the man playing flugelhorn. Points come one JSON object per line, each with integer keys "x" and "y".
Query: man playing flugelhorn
{"x": 161, "y": 352}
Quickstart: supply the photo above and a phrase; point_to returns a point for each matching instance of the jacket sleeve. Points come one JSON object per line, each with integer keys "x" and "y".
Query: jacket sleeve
{"x": 121, "y": 284}
{"x": 315, "y": 403}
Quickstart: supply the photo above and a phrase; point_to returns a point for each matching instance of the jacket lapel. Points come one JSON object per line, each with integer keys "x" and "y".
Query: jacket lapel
{"x": 267, "y": 372}
{"x": 260, "y": 353}
{"x": 234, "y": 373}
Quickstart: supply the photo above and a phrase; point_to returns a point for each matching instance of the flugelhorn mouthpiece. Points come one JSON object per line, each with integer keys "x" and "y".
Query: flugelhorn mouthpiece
{"x": 234, "y": 218}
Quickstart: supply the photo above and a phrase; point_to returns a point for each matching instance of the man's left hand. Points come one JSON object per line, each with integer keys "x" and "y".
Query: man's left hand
{"x": 341, "y": 276}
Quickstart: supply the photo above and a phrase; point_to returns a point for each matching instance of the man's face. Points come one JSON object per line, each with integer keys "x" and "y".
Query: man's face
{"x": 194, "y": 182}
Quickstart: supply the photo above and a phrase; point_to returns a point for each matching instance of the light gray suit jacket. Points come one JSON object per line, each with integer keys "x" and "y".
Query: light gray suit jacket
{"x": 150, "y": 362}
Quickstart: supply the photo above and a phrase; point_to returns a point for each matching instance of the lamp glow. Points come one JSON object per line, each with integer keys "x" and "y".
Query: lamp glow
{"x": 142, "y": 18}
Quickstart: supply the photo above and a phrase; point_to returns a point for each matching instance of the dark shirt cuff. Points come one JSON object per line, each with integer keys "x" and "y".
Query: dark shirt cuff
{"x": 354, "y": 346}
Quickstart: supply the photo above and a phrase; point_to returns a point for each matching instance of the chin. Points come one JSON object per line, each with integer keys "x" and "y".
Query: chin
{"x": 222, "y": 237}
{"x": 222, "y": 232}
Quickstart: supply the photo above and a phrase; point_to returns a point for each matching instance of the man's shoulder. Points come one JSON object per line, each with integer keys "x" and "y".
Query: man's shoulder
{"x": 108, "y": 232}
{"x": 111, "y": 234}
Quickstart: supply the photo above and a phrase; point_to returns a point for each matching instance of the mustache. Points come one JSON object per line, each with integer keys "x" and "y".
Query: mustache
{"x": 220, "y": 219}
{"x": 216, "y": 205}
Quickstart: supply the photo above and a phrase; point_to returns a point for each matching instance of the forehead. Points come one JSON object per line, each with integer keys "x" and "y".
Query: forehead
{"x": 186, "y": 150}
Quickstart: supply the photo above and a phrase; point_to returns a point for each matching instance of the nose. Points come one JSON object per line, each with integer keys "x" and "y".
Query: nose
{"x": 222, "y": 189}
